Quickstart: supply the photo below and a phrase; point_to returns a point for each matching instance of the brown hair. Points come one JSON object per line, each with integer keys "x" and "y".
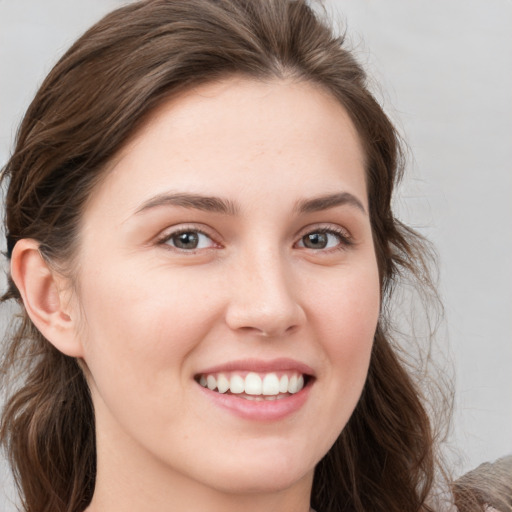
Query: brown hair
{"x": 93, "y": 100}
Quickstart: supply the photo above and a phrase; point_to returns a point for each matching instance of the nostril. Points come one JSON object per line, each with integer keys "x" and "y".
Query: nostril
{"x": 256, "y": 314}
{"x": 268, "y": 333}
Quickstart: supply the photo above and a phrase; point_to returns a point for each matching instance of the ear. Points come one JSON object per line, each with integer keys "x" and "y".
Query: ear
{"x": 46, "y": 296}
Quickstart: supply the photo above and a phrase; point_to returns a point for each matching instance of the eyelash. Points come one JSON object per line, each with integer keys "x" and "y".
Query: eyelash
{"x": 344, "y": 238}
{"x": 185, "y": 230}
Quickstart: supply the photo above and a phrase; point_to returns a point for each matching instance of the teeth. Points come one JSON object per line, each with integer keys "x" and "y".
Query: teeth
{"x": 283, "y": 384}
{"x": 270, "y": 384}
{"x": 254, "y": 398}
{"x": 292, "y": 384}
{"x": 236, "y": 384}
{"x": 253, "y": 386}
{"x": 222, "y": 383}
{"x": 300, "y": 382}
{"x": 211, "y": 382}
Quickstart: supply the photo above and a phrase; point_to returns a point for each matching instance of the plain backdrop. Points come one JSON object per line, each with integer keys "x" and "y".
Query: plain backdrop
{"x": 444, "y": 69}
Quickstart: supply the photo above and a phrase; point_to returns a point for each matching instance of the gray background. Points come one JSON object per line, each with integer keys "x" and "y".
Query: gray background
{"x": 445, "y": 74}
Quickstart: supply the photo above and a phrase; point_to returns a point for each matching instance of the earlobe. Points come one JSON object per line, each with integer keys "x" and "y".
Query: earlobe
{"x": 45, "y": 297}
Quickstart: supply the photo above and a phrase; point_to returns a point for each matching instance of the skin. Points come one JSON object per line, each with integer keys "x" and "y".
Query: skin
{"x": 146, "y": 317}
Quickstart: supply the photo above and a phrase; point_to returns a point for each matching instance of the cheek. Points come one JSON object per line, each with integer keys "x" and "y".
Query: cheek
{"x": 351, "y": 306}
{"x": 344, "y": 315}
{"x": 347, "y": 317}
{"x": 138, "y": 332}
{"x": 147, "y": 312}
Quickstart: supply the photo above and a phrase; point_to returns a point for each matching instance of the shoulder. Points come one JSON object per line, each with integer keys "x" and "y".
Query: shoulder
{"x": 487, "y": 488}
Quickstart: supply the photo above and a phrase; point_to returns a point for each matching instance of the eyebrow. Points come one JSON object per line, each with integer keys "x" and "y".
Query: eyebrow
{"x": 329, "y": 201}
{"x": 227, "y": 207}
{"x": 192, "y": 201}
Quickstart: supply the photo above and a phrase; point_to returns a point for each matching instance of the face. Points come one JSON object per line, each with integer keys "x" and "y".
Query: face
{"x": 227, "y": 287}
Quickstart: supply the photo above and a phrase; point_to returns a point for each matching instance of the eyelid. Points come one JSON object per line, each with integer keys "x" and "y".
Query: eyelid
{"x": 178, "y": 229}
{"x": 346, "y": 239}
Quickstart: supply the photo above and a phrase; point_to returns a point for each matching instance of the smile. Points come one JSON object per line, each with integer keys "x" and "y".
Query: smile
{"x": 254, "y": 386}
{"x": 257, "y": 390}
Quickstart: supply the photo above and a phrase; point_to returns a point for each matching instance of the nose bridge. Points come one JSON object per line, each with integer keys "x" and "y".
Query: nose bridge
{"x": 263, "y": 299}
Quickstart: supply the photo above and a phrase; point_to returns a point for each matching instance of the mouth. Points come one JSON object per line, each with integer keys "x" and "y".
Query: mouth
{"x": 258, "y": 390}
{"x": 255, "y": 386}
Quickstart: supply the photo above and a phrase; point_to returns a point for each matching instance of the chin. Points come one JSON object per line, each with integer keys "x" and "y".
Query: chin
{"x": 260, "y": 480}
{"x": 268, "y": 471}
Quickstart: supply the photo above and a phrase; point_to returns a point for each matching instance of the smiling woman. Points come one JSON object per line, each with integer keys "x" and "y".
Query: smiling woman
{"x": 273, "y": 290}
{"x": 203, "y": 250}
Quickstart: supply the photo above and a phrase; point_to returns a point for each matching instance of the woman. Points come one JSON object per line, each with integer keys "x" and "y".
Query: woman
{"x": 203, "y": 248}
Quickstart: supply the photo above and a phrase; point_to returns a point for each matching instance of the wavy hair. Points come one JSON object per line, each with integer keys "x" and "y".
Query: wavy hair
{"x": 91, "y": 103}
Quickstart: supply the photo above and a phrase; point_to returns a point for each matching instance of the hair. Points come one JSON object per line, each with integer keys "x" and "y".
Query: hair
{"x": 486, "y": 488}
{"x": 95, "y": 98}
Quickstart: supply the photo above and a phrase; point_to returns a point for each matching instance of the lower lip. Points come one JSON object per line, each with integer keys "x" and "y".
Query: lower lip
{"x": 263, "y": 410}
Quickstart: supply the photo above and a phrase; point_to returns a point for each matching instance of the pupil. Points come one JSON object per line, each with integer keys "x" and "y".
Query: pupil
{"x": 315, "y": 240}
{"x": 187, "y": 240}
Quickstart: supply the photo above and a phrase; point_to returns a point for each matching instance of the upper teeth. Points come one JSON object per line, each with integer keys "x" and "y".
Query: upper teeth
{"x": 253, "y": 383}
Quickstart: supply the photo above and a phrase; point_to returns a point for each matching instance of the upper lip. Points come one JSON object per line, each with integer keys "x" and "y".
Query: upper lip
{"x": 260, "y": 366}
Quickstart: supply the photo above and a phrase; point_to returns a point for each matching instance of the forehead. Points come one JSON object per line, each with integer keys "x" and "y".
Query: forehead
{"x": 238, "y": 136}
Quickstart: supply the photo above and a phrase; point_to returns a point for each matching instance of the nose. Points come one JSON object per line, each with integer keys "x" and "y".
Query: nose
{"x": 264, "y": 297}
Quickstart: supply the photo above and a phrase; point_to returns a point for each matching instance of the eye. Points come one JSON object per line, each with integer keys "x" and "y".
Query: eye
{"x": 322, "y": 239}
{"x": 189, "y": 240}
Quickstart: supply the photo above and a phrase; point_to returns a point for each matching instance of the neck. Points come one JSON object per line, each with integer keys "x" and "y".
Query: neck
{"x": 176, "y": 492}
